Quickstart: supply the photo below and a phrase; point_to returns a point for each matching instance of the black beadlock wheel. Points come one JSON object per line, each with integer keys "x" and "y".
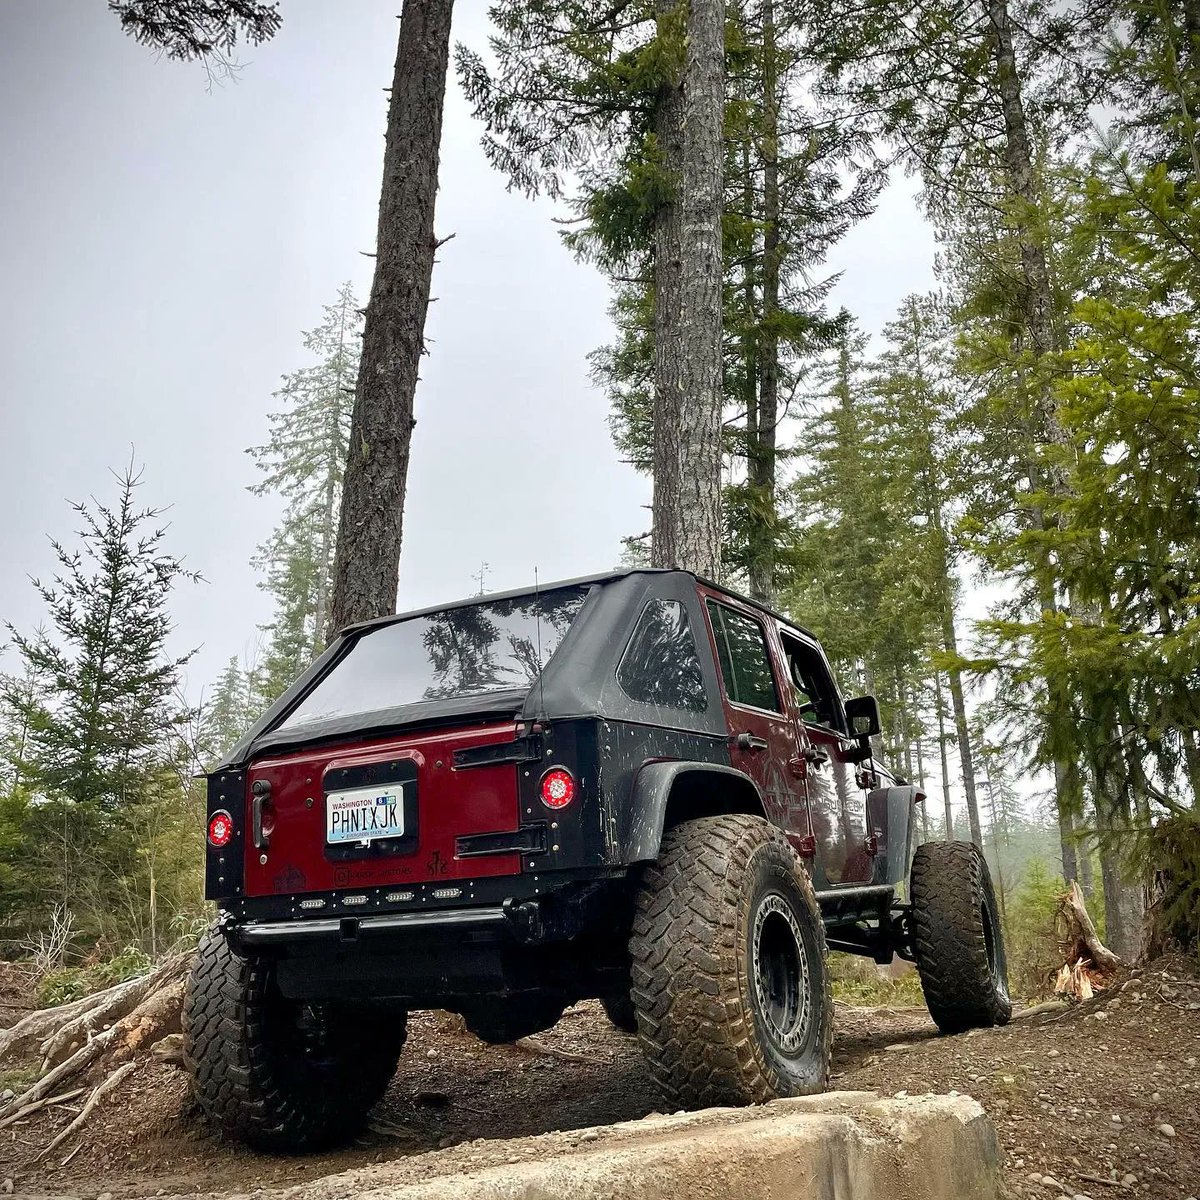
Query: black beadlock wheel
{"x": 957, "y": 938}
{"x": 508, "y": 1019}
{"x": 730, "y": 984}
{"x": 280, "y": 1074}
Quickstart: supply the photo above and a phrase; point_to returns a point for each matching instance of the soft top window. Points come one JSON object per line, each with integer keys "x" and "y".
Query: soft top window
{"x": 486, "y": 647}
{"x": 661, "y": 664}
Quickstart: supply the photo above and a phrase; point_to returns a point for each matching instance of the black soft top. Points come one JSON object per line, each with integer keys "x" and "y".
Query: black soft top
{"x": 578, "y": 681}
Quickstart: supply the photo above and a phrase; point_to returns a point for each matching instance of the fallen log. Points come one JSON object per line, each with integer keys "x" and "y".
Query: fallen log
{"x": 38, "y": 1105}
{"x": 107, "y": 1008}
{"x": 96, "y": 1043}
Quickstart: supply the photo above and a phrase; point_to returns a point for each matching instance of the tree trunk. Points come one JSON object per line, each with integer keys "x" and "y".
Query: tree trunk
{"x": 1124, "y": 900}
{"x": 921, "y": 781}
{"x": 950, "y": 645}
{"x": 763, "y": 454}
{"x": 366, "y": 570}
{"x": 1083, "y": 863}
{"x": 1066, "y": 834}
{"x": 688, "y": 351}
{"x": 1039, "y": 316}
{"x": 940, "y": 702}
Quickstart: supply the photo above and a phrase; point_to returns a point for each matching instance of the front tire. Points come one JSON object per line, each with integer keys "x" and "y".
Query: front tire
{"x": 957, "y": 938}
{"x": 279, "y": 1074}
{"x": 730, "y": 984}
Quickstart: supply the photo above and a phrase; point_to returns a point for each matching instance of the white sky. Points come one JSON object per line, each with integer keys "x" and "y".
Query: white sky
{"x": 163, "y": 246}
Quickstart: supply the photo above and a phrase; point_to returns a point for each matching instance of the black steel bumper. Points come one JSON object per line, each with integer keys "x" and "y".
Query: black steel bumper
{"x": 338, "y": 931}
{"x": 569, "y": 940}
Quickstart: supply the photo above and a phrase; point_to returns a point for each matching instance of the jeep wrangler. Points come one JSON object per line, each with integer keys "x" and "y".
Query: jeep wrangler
{"x": 638, "y": 787}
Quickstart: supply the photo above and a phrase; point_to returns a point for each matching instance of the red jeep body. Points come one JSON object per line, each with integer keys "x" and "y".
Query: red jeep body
{"x": 452, "y": 805}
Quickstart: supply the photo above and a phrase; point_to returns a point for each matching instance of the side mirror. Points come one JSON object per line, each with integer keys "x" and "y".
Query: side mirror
{"x": 862, "y": 714}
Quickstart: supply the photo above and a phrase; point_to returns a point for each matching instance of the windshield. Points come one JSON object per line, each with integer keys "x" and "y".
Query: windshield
{"x": 486, "y": 647}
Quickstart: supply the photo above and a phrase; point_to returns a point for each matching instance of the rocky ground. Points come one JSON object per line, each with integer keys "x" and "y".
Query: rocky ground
{"x": 1098, "y": 1100}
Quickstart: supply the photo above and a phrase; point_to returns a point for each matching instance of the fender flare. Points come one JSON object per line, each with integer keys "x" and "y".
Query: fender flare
{"x": 651, "y": 793}
{"x": 890, "y": 817}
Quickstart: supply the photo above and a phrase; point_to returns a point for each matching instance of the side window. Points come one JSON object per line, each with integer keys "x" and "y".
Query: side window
{"x": 815, "y": 693}
{"x": 661, "y": 664}
{"x": 745, "y": 661}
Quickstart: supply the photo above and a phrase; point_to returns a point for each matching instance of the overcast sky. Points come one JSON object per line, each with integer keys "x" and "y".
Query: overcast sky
{"x": 162, "y": 246}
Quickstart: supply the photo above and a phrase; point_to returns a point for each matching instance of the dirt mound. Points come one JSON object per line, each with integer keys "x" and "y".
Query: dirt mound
{"x": 1083, "y": 1097}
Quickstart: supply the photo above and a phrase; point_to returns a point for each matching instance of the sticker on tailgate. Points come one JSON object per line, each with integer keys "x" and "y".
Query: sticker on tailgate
{"x": 365, "y": 814}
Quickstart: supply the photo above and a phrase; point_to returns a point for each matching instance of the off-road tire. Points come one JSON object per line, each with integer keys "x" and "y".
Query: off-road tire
{"x": 721, "y": 888}
{"x": 620, "y": 1012}
{"x": 257, "y": 1086}
{"x": 957, "y": 938}
{"x": 503, "y": 1021}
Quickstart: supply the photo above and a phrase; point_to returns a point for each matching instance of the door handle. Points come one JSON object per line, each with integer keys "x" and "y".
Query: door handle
{"x": 817, "y": 757}
{"x": 748, "y": 741}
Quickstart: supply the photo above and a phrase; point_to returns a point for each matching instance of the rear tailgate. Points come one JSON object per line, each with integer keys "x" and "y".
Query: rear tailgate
{"x": 404, "y": 795}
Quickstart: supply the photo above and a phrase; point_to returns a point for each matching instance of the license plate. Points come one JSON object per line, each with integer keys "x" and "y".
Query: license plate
{"x": 364, "y": 814}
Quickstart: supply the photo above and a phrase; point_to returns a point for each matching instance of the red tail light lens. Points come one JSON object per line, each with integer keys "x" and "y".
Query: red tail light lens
{"x": 220, "y": 830}
{"x": 558, "y": 788}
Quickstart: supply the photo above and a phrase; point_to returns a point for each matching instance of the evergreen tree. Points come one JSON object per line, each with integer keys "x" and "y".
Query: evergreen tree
{"x": 98, "y": 729}
{"x": 580, "y": 91}
{"x": 303, "y": 462}
{"x": 228, "y": 714}
{"x": 371, "y": 522}
{"x": 97, "y": 822}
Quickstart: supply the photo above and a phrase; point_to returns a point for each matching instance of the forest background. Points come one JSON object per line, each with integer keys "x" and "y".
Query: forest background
{"x": 985, "y": 508}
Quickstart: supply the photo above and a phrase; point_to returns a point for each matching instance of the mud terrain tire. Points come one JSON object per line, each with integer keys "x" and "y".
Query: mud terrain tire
{"x": 505, "y": 1021}
{"x": 957, "y": 938}
{"x": 730, "y": 983}
{"x": 278, "y": 1074}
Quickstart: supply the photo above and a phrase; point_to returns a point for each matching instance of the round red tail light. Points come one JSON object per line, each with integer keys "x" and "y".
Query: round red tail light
{"x": 220, "y": 829}
{"x": 558, "y": 788}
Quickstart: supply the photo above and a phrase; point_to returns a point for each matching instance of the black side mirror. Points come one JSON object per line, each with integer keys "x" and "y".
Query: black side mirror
{"x": 862, "y": 714}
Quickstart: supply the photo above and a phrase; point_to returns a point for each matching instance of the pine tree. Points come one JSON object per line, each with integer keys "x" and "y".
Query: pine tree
{"x": 228, "y": 714}
{"x": 98, "y": 730}
{"x": 578, "y": 90}
{"x": 371, "y": 522}
{"x": 100, "y": 808}
{"x": 303, "y": 462}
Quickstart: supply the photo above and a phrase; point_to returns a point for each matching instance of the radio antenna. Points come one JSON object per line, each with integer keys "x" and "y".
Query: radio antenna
{"x": 537, "y": 623}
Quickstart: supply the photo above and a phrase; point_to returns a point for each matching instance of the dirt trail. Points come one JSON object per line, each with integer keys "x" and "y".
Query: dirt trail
{"x": 1081, "y": 1098}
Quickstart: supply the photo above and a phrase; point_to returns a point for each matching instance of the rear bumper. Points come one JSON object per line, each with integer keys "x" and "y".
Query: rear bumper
{"x": 569, "y": 940}
{"x": 336, "y": 931}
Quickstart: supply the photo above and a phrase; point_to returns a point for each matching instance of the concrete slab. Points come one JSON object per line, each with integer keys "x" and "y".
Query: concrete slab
{"x": 840, "y": 1146}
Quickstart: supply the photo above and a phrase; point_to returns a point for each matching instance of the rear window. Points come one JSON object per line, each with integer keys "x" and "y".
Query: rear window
{"x": 486, "y": 647}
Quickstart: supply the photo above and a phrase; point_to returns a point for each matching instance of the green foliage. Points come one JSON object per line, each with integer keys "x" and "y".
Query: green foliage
{"x": 73, "y": 983}
{"x": 859, "y": 981}
{"x": 1030, "y": 935}
{"x": 1175, "y": 853}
